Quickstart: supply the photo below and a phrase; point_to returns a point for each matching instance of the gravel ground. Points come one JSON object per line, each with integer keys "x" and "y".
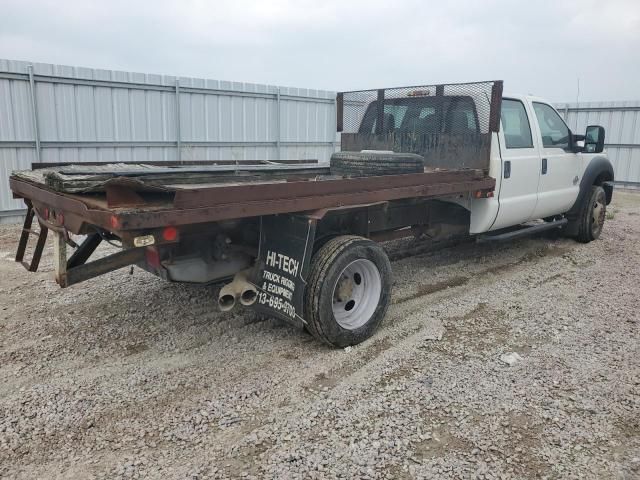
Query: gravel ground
{"x": 128, "y": 376}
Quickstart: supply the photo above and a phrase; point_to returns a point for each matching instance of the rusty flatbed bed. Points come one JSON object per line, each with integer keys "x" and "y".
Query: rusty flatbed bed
{"x": 297, "y": 239}
{"x": 122, "y": 208}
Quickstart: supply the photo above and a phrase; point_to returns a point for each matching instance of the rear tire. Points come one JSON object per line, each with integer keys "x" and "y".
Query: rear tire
{"x": 358, "y": 164}
{"x": 348, "y": 290}
{"x": 591, "y": 217}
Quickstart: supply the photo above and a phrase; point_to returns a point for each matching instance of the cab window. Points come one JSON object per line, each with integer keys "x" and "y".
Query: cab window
{"x": 423, "y": 115}
{"x": 515, "y": 124}
{"x": 555, "y": 133}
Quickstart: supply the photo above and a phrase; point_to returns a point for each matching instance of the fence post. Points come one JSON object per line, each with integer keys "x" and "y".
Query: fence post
{"x": 338, "y": 106}
{"x": 34, "y": 111}
{"x": 178, "y": 139}
{"x": 278, "y": 152}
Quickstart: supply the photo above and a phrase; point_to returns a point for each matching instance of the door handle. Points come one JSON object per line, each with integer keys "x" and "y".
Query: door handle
{"x": 507, "y": 169}
{"x": 544, "y": 166}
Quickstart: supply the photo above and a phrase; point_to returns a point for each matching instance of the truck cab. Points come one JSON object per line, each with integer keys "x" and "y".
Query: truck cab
{"x": 542, "y": 169}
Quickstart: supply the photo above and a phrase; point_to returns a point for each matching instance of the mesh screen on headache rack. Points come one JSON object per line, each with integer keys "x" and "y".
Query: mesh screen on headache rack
{"x": 450, "y": 125}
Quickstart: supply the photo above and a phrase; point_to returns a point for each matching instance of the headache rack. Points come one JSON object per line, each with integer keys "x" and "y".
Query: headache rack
{"x": 449, "y": 125}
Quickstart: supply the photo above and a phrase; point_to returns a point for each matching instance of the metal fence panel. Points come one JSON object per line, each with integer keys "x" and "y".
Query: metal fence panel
{"x": 88, "y": 114}
{"x": 621, "y": 121}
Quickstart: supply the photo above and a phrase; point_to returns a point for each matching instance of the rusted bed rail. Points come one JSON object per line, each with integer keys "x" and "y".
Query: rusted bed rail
{"x": 224, "y": 202}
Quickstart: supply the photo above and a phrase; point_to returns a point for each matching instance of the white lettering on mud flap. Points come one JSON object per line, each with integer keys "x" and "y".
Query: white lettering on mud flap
{"x": 284, "y": 263}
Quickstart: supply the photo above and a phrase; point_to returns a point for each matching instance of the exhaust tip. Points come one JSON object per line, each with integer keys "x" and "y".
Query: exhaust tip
{"x": 226, "y": 302}
{"x": 248, "y": 297}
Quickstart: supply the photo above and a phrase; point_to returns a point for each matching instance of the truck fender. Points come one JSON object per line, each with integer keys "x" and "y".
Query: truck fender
{"x": 599, "y": 171}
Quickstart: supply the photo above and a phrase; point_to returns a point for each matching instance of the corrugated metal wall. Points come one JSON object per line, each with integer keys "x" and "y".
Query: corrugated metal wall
{"x": 55, "y": 113}
{"x": 52, "y": 113}
{"x": 621, "y": 121}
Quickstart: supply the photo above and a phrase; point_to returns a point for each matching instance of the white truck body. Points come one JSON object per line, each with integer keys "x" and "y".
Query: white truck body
{"x": 528, "y": 193}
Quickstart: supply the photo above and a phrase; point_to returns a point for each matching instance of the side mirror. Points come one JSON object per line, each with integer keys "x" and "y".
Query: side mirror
{"x": 594, "y": 139}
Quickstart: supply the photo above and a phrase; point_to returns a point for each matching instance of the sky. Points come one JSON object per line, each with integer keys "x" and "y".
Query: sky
{"x": 540, "y": 47}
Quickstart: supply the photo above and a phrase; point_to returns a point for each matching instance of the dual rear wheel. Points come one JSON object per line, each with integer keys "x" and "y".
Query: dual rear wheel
{"x": 348, "y": 290}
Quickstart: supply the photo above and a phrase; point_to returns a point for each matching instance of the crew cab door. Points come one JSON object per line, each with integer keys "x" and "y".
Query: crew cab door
{"x": 520, "y": 165}
{"x": 560, "y": 167}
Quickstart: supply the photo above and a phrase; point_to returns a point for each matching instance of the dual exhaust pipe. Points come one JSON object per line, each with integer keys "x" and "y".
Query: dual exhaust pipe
{"x": 240, "y": 289}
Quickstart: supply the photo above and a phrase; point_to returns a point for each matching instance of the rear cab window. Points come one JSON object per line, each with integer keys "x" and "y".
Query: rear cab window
{"x": 424, "y": 115}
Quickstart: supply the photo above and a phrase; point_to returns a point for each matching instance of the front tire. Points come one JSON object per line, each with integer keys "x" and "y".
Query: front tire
{"x": 592, "y": 215}
{"x": 348, "y": 290}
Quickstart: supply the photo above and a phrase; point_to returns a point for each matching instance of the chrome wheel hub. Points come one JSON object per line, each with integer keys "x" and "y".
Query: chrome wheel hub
{"x": 356, "y": 294}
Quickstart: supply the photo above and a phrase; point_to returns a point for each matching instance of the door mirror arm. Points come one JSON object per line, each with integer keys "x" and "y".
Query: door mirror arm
{"x": 575, "y": 138}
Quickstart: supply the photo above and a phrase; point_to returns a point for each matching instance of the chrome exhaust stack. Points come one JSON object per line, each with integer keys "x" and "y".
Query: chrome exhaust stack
{"x": 239, "y": 289}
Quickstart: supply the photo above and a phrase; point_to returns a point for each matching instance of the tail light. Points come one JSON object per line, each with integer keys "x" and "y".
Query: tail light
{"x": 170, "y": 234}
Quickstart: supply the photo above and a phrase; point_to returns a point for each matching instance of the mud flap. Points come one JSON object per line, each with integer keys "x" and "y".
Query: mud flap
{"x": 282, "y": 266}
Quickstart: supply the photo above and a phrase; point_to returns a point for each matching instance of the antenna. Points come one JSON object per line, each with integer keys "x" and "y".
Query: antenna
{"x": 577, "y": 100}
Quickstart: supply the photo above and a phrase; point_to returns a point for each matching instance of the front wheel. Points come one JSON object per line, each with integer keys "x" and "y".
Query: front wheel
{"x": 592, "y": 215}
{"x": 348, "y": 290}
